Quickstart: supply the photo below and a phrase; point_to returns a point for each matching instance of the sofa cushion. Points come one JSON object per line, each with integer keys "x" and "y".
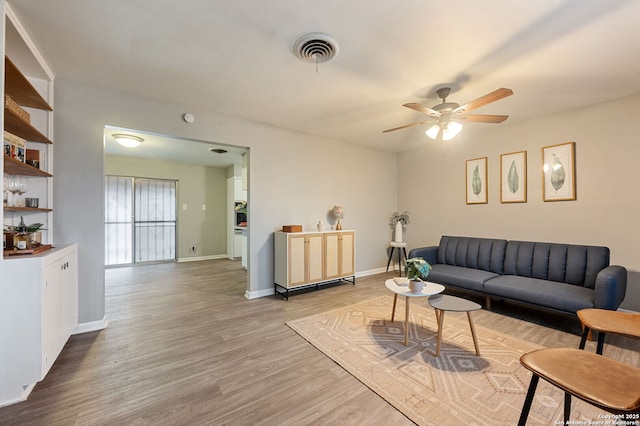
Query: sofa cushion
{"x": 550, "y": 294}
{"x": 565, "y": 263}
{"x": 478, "y": 253}
{"x": 459, "y": 276}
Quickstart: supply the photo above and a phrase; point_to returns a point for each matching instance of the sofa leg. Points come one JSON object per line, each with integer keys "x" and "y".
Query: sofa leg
{"x": 488, "y": 302}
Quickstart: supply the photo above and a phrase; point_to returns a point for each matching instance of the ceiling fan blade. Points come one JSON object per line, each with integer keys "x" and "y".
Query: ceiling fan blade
{"x": 496, "y": 95}
{"x": 405, "y": 126}
{"x": 423, "y": 109}
{"x": 481, "y": 118}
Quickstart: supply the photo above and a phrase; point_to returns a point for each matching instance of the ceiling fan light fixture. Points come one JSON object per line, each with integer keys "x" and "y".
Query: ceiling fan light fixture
{"x": 432, "y": 132}
{"x": 451, "y": 130}
{"x": 129, "y": 141}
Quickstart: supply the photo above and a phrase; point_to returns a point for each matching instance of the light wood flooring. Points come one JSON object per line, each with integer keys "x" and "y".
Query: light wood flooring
{"x": 185, "y": 347}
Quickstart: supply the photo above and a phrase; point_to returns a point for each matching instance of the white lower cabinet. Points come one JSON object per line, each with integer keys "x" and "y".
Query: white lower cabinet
{"x": 38, "y": 313}
{"x": 311, "y": 258}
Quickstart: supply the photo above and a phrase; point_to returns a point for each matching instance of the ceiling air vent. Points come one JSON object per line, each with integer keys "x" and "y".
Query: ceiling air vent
{"x": 316, "y": 47}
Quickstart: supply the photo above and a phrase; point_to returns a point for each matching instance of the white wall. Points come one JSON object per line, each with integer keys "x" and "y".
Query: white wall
{"x": 206, "y": 230}
{"x": 607, "y": 206}
{"x": 293, "y": 178}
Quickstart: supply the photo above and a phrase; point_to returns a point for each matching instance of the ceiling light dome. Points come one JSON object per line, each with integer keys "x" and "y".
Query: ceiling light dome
{"x": 129, "y": 141}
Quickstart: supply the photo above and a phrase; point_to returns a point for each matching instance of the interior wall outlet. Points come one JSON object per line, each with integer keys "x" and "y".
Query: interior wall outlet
{"x": 184, "y": 207}
{"x": 204, "y": 207}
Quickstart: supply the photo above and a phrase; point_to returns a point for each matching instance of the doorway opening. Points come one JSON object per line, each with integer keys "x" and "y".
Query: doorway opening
{"x": 210, "y": 176}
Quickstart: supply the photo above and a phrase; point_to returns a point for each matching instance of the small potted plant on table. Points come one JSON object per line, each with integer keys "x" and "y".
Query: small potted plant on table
{"x": 417, "y": 270}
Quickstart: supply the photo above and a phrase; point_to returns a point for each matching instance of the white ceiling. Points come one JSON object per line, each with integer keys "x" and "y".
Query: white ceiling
{"x": 235, "y": 57}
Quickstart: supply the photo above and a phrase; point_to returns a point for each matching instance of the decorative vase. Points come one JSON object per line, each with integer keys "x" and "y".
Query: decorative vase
{"x": 398, "y": 233}
{"x": 320, "y": 226}
{"x": 338, "y": 226}
{"x": 36, "y": 238}
{"x": 416, "y": 286}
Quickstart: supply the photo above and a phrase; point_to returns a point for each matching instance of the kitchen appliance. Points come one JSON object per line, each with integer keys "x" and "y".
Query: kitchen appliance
{"x": 241, "y": 213}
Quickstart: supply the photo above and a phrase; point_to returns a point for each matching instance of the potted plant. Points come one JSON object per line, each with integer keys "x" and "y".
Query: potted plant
{"x": 417, "y": 270}
{"x": 397, "y": 222}
{"x": 33, "y": 230}
{"x": 34, "y": 233}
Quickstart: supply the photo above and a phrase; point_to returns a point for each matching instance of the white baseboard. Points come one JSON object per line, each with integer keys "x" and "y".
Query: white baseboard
{"x": 260, "y": 293}
{"x": 199, "y": 258}
{"x": 23, "y": 397}
{"x": 370, "y": 272}
{"x": 87, "y": 327}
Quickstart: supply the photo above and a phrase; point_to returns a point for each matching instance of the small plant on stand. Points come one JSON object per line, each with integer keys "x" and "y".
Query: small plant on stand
{"x": 397, "y": 222}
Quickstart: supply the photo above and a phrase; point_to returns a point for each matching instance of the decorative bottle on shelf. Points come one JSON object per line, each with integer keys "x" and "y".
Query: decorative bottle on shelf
{"x": 21, "y": 240}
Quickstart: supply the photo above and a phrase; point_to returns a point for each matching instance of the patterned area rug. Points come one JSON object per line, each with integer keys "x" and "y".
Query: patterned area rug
{"x": 457, "y": 387}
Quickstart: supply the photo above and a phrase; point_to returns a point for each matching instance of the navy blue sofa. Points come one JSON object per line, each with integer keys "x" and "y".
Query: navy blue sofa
{"x": 560, "y": 277}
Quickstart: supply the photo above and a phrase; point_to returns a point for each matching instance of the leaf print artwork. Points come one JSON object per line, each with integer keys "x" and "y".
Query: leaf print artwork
{"x": 512, "y": 178}
{"x": 559, "y": 167}
{"x": 558, "y": 173}
{"x": 476, "y": 182}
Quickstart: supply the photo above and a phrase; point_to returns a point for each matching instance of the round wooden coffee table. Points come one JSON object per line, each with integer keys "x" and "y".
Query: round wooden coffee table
{"x": 444, "y": 302}
{"x": 429, "y": 290}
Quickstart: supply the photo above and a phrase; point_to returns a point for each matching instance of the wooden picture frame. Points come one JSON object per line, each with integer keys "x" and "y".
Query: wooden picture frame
{"x": 476, "y": 181}
{"x": 559, "y": 172}
{"x": 513, "y": 177}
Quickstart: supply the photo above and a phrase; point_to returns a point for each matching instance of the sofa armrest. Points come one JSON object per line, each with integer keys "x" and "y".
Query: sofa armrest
{"x": 611, "y": 287}
{"x": 430, "y": 254}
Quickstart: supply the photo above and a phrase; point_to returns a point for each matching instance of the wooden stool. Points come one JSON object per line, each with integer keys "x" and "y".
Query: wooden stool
{"x": 402, "y": 249}
{"x": 605, "y": 321}
{"x": 597, "y": 380}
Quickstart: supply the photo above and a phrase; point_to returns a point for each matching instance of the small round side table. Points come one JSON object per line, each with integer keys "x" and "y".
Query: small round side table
{"x": 445, "y": 302}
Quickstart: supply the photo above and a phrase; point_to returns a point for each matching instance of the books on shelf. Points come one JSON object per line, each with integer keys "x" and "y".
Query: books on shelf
{"x": 14, "y": 146}
{"x": 36, "y": 158}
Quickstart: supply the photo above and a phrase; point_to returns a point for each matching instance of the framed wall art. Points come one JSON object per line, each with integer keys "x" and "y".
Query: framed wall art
{"x": 477, "y": 181}
{"x": 513, "y": 177}
{"x": 559, "y": 172}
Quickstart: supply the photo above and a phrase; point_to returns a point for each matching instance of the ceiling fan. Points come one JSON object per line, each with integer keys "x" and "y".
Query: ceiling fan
{"x": 446, "y": 118}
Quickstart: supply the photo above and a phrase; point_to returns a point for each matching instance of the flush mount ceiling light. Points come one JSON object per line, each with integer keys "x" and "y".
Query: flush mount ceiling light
{"x": 130, "y": 141}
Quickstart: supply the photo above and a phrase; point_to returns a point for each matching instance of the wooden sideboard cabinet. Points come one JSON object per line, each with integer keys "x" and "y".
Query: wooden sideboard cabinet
{"x": 40, "y": 293}
{"x": 303, "y": 259}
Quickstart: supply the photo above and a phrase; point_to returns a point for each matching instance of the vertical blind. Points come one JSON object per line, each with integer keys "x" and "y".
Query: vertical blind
{"x": 140, "y": 220}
